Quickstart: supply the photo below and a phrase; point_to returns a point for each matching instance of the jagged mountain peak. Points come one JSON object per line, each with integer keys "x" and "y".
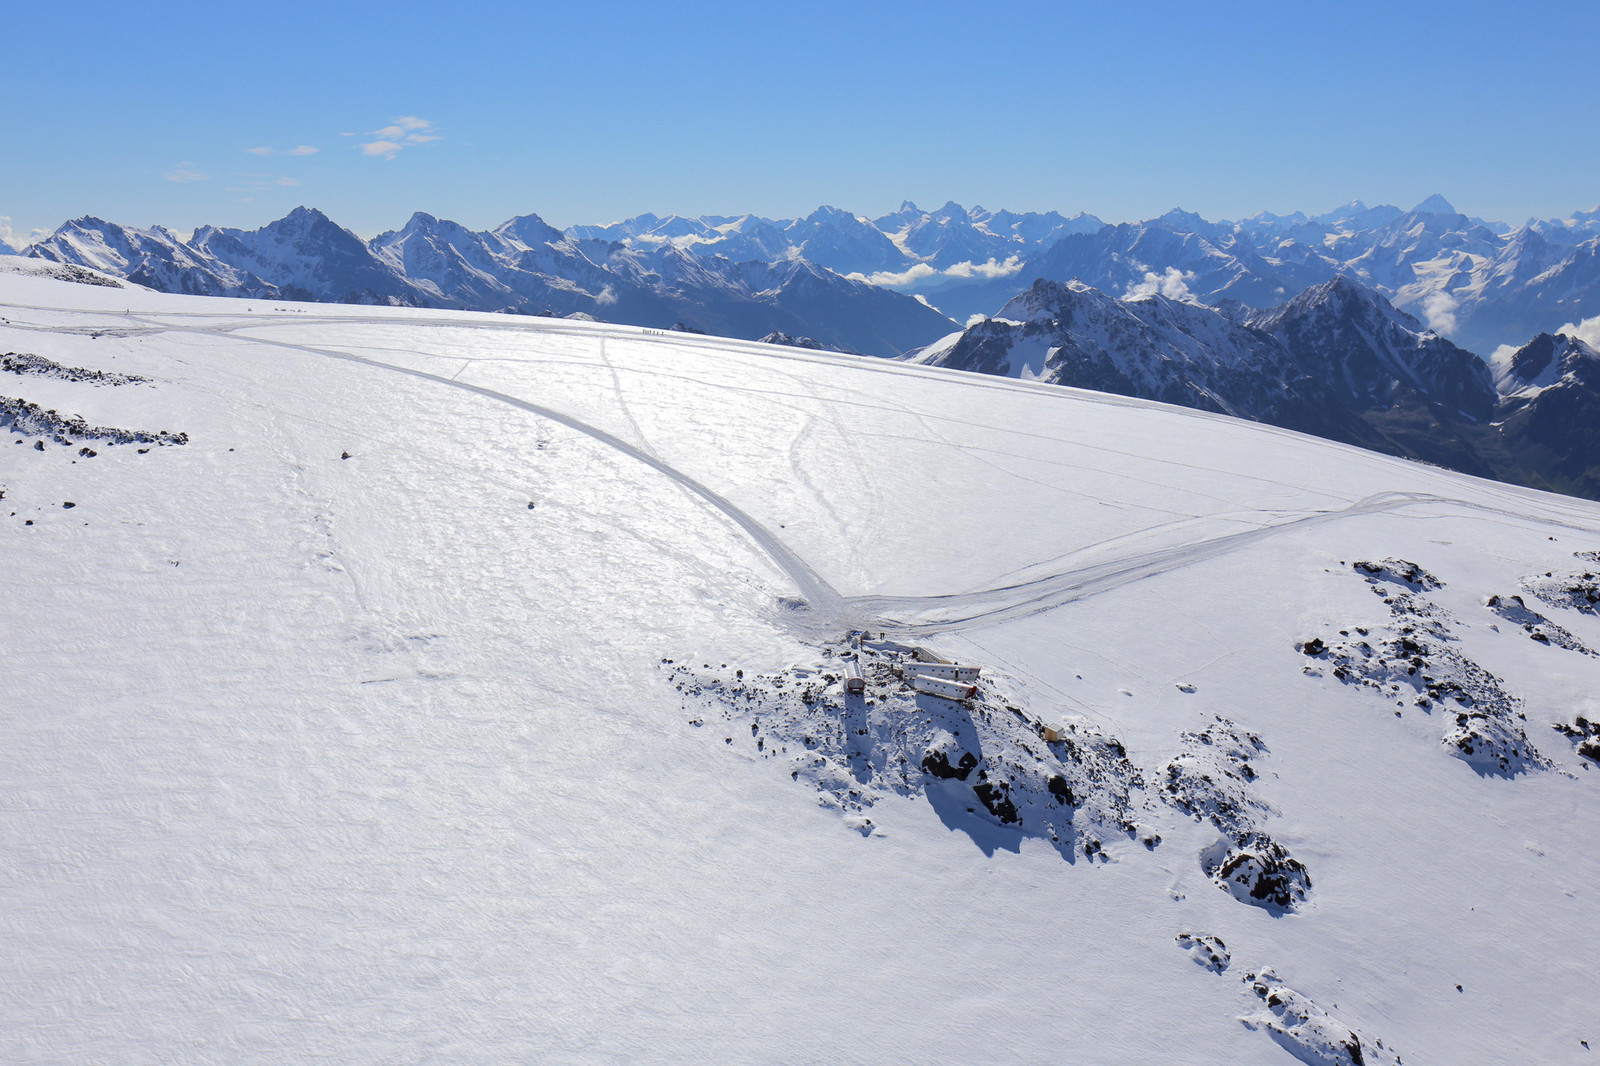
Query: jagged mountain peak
{"x": 530, "y": 230}
{"x": 1542, "y": 362}
{"x": 1182, "y": 221}
{"x": 304, "y": 214}
{"x": 1353, "y": 207}
{"x": 1341, "y": 294}
{"x": 1435, "y": 205}
{"x": 829, "y": 213}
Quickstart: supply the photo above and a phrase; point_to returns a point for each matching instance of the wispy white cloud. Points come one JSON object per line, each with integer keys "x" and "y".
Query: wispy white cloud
{"x": 1173, "y": 284}
{"x": 258, "y": 183}
{"x": 303, "y": 149}
{"x": 185, "y": 172}
{"x": 606, "y": 297}
{"x": 1440, "y": 310}
{"x": 1587, "y": 331}
{"x": 405, "y": 132}
{"x": 894, "y": 280}
{"x": 10, "y": 239}
{"x": 991, "y": 269}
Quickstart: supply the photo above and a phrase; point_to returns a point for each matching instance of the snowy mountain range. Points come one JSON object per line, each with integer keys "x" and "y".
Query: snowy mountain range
{"x": 388, "y": 684}
{"x": 1338, "y": 360}
{"x": 1482, "y": 284}
{"x": 1342, "y": 353}
{"x": 521, "y": 266}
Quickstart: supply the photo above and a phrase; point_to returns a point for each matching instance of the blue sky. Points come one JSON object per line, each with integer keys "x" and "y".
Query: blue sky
{"x": 191, "y": 113}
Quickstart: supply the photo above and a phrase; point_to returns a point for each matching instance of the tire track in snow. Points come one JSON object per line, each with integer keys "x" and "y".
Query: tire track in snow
{"x": 988, "y": 606}
{"x": 813, "y": 588}
{"x": 959, "y": 610}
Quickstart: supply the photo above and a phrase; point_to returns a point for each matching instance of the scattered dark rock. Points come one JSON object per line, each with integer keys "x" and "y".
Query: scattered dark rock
{"x": 1206, "y": 950}
{"x": 1077, "y": 791}
{"x": 1399, "y": 572}
{"x": 937, "y": 763}
{"x": 30, "y": 420}
{"x": 1539, "y": 628}
{"x": 24, "y": 363}
{"x": 1259, "y": 870}
{"x": 1416, "y": 659}
{"x": 1307, "y": 1031}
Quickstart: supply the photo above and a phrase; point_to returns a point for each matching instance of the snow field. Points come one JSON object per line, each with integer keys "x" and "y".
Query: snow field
{"x": 384, "y": 768}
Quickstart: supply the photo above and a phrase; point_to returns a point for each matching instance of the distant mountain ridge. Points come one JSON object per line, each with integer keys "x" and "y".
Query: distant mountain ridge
{"x": 1338, "y": 361}
{"x": 1480, "y": 283}
{"x": 522, "y": 266}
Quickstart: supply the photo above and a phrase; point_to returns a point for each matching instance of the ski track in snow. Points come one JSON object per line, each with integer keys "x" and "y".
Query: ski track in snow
{"x": 940, "y": 613}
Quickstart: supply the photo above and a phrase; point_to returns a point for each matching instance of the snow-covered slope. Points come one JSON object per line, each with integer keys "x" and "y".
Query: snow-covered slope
{"x": 455, "y": 689}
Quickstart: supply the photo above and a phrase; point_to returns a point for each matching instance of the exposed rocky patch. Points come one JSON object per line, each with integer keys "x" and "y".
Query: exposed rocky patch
{"x": 1206, "y": 950}
{"x": 1307, "y": 1031}
{"x": 70, "y": 272}
{"x": 1398, "y": 572}
{"x": 1256, "y": 869}
{"x": 27, "y": 363}
{"x": 788, "y": 341}
{"x": 1416, "y": 661}
{"x": 1212, "y": 780}
{"x": 1577, "y": 590}
{"x": 1539, "y": 628}
{"x": 1583, "y": 733}
{"x": 985, "y": 757}
{"x": 30, "y": 420}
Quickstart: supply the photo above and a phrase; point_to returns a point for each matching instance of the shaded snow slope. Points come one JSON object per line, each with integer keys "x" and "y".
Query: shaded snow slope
{"x": 344, "y": 730}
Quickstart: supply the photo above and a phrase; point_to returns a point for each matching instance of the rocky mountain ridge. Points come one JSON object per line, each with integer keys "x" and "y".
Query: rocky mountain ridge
{"x": 1338, "y": 360}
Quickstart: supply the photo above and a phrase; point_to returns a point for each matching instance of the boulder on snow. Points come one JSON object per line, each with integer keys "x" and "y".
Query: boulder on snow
{"x": 946, "y": 758}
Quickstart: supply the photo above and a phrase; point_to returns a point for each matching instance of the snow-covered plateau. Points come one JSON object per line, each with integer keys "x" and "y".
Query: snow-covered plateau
{"x": 385, "y": 685}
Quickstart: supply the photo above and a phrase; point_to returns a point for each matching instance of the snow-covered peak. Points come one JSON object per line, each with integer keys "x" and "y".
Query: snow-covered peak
{"x": 529, "y": 230}
{"x": 1181, "y": 221}
{"x": 1435, "y": 205}
{"x": 1542, "y": 363}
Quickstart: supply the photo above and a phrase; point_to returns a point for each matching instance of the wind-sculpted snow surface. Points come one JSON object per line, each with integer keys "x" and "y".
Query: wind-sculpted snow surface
{"x": 344, "y": 732}
{"x": 1415, "y": 660}
{"x": 985, "y": 764}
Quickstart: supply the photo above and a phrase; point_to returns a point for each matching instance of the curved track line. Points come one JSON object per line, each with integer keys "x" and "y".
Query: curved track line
{"x": 813, "y": 588}
{"x": 987, "y": 606}
{"x": 982, "y": 607}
